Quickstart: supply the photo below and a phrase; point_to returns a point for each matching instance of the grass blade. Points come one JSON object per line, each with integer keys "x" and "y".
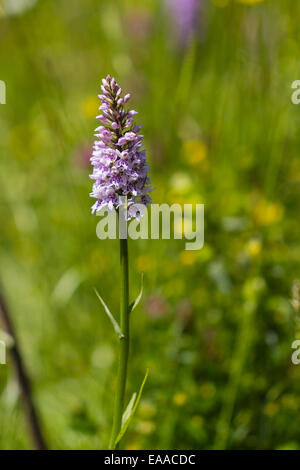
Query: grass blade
{"x": 139, "y": 297}
{"x": 131, "y": 409}
{"x": 115, "y": 324}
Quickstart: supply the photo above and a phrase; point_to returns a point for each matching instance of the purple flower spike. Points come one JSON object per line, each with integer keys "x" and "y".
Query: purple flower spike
{"x": 120, "y": 166}
{"x": 184, "y": 14}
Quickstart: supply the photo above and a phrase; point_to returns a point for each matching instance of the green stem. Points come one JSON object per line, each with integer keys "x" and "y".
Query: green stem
{"x": 124, "y": 344}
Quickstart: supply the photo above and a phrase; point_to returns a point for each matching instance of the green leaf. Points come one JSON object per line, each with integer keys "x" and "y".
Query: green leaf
{"x": 115, "y": 324}
{"x": 139, "y": 297}
{"x": 130, "y": 410}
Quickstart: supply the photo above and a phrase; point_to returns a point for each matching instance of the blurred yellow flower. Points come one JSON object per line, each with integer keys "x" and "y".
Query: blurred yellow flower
{"x": 254, "y": 247}
{"x": 133, "y": 446}
{"x": 194, "y": 151}
{"x": 90, "y": 106}
{"x": 180, "y": 182}
{"x": 271, "y": 409}
{"x": 180, "y": 398}
{"x": 147, "y": 409}
{"x": 146, "y": 427}
{"x": 266, "y": 213}
{"x": 145, "y": 263}
{"x": 188, "y": 258}
{"x": 249, "y": 2}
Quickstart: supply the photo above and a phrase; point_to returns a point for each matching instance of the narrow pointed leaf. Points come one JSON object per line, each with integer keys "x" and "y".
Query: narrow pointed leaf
{"x": 128, "y": 410}
{"x": 132, "y": 413}
{"x": 115, "y": 324}
{"x": 139, "y": 297}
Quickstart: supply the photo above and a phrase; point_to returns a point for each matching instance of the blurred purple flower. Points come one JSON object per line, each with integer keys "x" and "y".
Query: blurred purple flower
{"x": 82, "y": 155}
{"x": 120, "y": 166}
{"x": 156, "y": 306}
{"x": 138, "y": 24}
{"x": 184, "y": 14}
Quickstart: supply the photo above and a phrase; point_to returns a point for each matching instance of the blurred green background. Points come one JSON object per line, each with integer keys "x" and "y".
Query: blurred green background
{"x": 216, "y": 325}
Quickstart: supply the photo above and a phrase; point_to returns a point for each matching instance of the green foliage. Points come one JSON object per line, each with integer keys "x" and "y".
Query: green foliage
{"x": 131, "y": 410}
